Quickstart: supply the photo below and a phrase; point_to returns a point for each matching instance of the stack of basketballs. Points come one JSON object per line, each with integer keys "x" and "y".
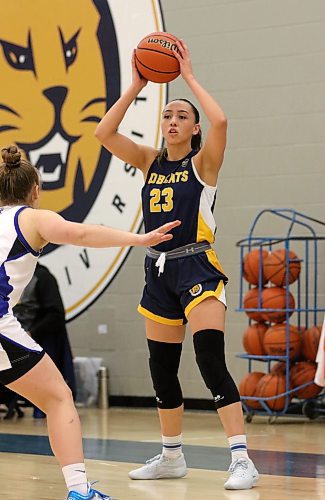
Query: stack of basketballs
{"x": 268, "y": 335}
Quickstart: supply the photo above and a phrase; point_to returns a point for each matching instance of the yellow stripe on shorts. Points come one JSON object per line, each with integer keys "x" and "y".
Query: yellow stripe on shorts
{"x": 209, "y": 293}
{"x": 159, "y": 319}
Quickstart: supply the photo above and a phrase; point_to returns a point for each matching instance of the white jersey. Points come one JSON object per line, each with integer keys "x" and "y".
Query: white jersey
{"x": 17, "y": 260}
{"x": 17, "y": 265}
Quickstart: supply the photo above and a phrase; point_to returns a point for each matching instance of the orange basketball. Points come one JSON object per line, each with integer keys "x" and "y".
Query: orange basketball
{"x": 279, "y": 367}
{"x": 252, "y": 267}
{"x": 300, "y": 374}
{"x": 275, "y": 267}
{"x": 253, "y": 338}
{"x": 247, "y": 387}
{"x": 154, "y": 57}
{"x": 272, "y": 385}
{"x": 275, "y": 341}
{"x": 251, "y": 302}
{"x": 275, "y": 298}
{"x": 309, "y": 342}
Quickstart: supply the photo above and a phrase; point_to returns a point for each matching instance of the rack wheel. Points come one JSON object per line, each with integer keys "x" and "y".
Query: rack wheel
{"x": 272, "y": 419}
{"x": 249, "y": 417}
{"x": 310, "y": 410}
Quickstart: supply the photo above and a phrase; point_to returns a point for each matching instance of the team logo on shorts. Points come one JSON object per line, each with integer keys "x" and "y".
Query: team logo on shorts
{"x": 60, "y": 70}
{"x": 196, "y": 290}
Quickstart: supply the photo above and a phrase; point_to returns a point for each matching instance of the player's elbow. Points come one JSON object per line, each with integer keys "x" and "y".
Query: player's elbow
{"x": 104, "y": 134}
{"x": 222, "y": 122}
{"x": 79, "y": 235}
{"x": 100, "y": 132}
{"x": 219, "y": 126}
{"x": 72, "y": 233}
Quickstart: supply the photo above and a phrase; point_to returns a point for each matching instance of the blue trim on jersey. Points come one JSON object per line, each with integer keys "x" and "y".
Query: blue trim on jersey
{"x": 22, "y": 346}
{"x": 5, "y": 291}
{"x": 21, "y": 236}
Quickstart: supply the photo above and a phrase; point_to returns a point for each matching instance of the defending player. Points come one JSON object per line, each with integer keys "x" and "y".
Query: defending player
{"x": 24, "y": 366}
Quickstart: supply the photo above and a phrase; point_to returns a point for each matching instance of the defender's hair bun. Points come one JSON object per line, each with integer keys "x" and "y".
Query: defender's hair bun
{"x": 11, "y": 156}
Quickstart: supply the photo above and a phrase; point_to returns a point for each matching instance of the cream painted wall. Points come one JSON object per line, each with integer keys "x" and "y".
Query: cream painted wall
{"x": 264, "y": 61}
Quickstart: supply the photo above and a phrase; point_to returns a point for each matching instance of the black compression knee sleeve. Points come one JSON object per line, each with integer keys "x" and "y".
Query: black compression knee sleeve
{"x": 209, "y": 346}
{"x": 164, "y": 363}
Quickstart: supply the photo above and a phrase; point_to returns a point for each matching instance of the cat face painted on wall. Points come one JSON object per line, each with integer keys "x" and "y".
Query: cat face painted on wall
{"x": 53, "y": 91}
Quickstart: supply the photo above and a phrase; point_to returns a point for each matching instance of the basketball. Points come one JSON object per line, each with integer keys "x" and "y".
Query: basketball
{"x": 251, "y": 302}
{"x": 252, "y": 266}
{"x": 275, "y": 267}
{"x": 253, "y": 339}
{"x": 272, "y": 385}
{"x": 279, "y": 368}
{"x": 275, "y": 298}
{"x": 247, "y": 387}
{"x": 300, "y": 374}
{"x": 309, "y": 342}
{"x": 154, "y": 57}
{"x": 275, "y": 341}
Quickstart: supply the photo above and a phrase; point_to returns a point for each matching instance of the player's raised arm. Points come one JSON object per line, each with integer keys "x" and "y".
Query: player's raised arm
{"x": 209, "y": 159}
{"x": 107, "y": 130}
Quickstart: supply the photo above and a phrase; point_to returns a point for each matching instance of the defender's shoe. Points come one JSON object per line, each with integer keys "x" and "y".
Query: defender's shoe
{"x": 92, "y": 495}
{"x": 243, "y": 475}
{"x": 161, "y": 467}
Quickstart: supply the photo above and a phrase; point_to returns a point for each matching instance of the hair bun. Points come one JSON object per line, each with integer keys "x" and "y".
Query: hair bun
{"x": 11, "y": 156}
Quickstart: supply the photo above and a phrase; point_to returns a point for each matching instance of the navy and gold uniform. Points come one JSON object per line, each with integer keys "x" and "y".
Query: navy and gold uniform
{"x": 174, "y": 190}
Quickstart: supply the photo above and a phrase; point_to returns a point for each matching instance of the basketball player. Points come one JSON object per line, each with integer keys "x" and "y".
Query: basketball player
{"x": 184, "y": 280}
{"x": 24, "y": 366}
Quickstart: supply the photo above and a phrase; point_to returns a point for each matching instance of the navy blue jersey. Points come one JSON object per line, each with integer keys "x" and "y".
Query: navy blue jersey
{"x": 174, "y": 190}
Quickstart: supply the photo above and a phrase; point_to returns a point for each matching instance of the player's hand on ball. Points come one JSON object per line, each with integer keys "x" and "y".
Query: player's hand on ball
{"x": 137, "y": 79}
{"x": 159, "y": 235}
{"x": 184, "y": 59}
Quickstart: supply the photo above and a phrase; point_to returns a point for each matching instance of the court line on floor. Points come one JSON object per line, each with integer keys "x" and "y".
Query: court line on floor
{"x": 277, "y": 463}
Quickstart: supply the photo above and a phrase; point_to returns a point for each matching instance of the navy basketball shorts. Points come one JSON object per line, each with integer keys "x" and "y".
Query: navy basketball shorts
{"x": 18, "y": 349}
{"x": 185, "y": 282}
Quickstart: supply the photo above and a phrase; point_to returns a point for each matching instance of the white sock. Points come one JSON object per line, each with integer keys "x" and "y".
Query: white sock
{"x": 172, "y": 446}
{"x": 238, "y": 447}
{"x": 76, "y": 478}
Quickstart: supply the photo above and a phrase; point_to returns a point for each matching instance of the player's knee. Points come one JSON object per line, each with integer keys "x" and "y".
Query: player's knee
{"x": 209, "y": 346}
{"x": 164, "y": 363}
{"x": 54, "y": 398}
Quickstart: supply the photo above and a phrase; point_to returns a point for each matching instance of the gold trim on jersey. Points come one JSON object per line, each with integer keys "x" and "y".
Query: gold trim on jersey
{"x": 209, "y": 293}
{"x": 204, "y": 232}
{"x": 159, "y": 319}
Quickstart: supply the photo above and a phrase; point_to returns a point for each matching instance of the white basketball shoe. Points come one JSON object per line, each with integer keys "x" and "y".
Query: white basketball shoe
{"x": 243, "y": 475}
{"x": 161, "y": 467}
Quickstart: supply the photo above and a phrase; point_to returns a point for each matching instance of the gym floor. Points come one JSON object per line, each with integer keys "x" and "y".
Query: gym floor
{"x": 289, "y": 454}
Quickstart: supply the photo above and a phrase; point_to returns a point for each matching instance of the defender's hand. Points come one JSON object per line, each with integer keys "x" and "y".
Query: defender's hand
{"x": 158, "y": 235}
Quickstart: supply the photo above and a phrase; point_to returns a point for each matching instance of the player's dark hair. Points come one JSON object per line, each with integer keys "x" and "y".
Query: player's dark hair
{"x": 17, "y": 177}
{"x": 196, "y": 141}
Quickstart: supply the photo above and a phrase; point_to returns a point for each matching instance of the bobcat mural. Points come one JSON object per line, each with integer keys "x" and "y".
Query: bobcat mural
{"x": 57, "y": 60}
{"x": 61, "y": 66}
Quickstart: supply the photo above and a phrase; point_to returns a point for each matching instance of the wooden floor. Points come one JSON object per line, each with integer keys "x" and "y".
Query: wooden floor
{"x": 290, "y": 454}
